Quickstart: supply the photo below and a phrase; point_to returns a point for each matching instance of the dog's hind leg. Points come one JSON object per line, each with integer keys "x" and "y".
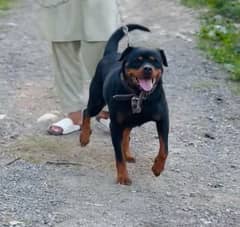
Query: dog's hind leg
{"x": 90, "y": 111}
{"x": 94, "y": 106}
{"x": 85, "y": 129}
{"x": 96, "y": 101}
{"x": 159, "y": 163}
{"x": 117, "y": 136}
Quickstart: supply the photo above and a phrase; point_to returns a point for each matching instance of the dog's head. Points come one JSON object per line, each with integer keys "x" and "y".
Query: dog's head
{"x": 143, "y": 67}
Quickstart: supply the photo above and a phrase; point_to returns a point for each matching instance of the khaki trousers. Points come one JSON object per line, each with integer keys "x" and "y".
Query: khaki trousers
{"x": 74, "y": 65}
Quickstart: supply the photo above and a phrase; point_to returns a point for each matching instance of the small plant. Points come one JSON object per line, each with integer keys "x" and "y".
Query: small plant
{"x": 5, "y": 4}
{"x": 220, "y": 39}
{"x": 229, "y": 9}
{"x": 195, "y": 3}
{"x": 219, "y": 35}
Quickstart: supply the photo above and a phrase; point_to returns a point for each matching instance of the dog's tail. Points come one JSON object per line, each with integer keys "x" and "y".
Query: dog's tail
{"x": 112, "y": 44}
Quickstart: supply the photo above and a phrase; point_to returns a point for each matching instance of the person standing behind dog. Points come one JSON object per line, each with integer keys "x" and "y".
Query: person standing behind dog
{"x": 77, "y": 31}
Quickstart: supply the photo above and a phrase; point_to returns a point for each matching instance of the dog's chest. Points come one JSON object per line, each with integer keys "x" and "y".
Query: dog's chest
{"x": 127, "y": 117}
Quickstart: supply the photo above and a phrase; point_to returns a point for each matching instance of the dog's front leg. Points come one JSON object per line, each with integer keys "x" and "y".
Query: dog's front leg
{"x": 117, "y": 136}
{"x": 159, "y": 163}
{"x": 125, "y": 146}
{"x": 85, "y": 129}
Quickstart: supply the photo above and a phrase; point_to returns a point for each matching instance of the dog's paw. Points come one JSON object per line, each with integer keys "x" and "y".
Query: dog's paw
{"x": 124, "y": 180}
{"x": 158, "y": 167}
{"x": 128, "y": 156}
{"x": 84, "y": 138}
{"x": 130, "y": 159}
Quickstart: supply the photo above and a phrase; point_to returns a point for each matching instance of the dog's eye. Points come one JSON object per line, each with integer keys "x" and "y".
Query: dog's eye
{"x": 140, "y": 58}
{"x": 152, "y": 58}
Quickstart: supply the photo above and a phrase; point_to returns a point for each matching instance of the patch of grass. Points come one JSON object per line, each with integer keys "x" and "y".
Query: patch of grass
{"x": 6, "y": 4}
{"x": 194, "y": 3}
{"x": 219, "y": 35}
{"x": 220, "y": 38}
{"x": 229, "y": 9}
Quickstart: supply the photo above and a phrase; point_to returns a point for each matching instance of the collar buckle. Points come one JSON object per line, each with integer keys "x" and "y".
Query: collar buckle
{"x": 136, "y": 104}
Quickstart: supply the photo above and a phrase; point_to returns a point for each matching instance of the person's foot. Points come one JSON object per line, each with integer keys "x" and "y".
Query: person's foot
{"x": 76, "y": 117}
{"x": 67, "y": 125}
{"x": 103, "y": 118}
{"x": 103, "y": 115}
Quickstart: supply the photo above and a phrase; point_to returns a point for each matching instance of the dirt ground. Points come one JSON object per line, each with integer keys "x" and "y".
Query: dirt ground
{"x": 201, "y": 183}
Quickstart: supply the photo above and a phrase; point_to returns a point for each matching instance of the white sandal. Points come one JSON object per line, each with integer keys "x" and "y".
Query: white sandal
{"x": 66, "y": 125}
{"x": 104, "y": 122}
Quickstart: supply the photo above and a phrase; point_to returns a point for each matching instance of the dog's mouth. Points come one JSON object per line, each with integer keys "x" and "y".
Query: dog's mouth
{"x": 144, "y": 81}
{"x": 146, "y": 84}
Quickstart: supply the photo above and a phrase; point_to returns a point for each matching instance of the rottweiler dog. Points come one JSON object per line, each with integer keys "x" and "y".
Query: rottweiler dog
{"x": 130, "y": 83}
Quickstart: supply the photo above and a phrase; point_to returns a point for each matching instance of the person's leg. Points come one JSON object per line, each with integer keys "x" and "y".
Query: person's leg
{"x": 75, "y": 64}
{"x": 91, "y": 53}
{"x": 68, "y": 81}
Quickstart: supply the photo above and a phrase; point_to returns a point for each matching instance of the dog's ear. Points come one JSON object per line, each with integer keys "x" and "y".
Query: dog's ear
{"x": 125, "y": 53}
{"x": 163, "y": 56}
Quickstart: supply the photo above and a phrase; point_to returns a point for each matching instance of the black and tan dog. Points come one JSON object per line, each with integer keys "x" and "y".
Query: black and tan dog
{"x": 131, "y": 85}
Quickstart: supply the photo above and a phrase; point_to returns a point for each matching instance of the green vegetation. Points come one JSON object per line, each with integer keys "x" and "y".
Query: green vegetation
{"x": 195, "y": 3}
{"x": 219, "y": 35}
{"x": 5, "y": 4}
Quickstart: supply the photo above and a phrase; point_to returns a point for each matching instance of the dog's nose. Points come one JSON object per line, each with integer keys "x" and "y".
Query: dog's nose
{"x": 147, "y": 70}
